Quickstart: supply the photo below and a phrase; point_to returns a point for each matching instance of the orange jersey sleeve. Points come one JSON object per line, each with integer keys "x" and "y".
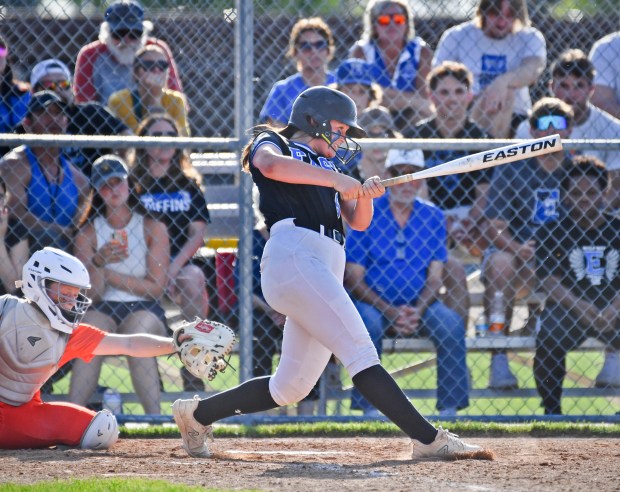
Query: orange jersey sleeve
{"x": 81, "y": 344}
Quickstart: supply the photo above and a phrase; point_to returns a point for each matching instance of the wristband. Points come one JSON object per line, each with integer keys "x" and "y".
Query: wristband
{"x": 94, "y": 262}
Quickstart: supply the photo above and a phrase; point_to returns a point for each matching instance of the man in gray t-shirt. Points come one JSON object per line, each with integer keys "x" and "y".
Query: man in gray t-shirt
{"x": 521, "y": 197}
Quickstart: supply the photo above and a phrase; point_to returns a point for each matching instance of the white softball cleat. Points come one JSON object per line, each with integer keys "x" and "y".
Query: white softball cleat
{"x": 194, "y": 434}
{"x": 445, "y": 446}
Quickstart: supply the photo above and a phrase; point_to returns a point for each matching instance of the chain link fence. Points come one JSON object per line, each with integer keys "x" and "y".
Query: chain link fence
{"x": 425, "y": 277}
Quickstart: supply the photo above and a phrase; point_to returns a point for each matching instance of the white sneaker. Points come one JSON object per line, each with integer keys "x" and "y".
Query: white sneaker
{"x": 194, "y": 434}
{"x": 610, "y": 373}
{"x": 501, "y": 377}
{"x": 445, "y": 446}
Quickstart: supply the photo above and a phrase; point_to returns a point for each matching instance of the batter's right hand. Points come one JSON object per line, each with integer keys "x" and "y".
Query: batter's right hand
{"x": 348, "y": 187}
{"x": 372, "y": 188}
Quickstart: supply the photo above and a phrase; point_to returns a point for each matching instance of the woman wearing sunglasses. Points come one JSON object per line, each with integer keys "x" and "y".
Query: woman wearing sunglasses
{"x": 14, "y": 96}
{"x": 311, "y": 47}
{"x": 401, "y": 59}
{"x": 150, "y": 95}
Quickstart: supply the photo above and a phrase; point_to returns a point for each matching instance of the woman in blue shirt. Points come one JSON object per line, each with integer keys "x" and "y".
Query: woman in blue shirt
{"x": 401, "y": 59}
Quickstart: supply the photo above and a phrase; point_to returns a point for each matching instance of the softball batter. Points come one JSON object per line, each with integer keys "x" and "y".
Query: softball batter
{"x": 304, "y": 200}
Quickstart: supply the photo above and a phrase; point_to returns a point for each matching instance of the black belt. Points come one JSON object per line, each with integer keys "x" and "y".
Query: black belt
{"x": 334, "y": 234}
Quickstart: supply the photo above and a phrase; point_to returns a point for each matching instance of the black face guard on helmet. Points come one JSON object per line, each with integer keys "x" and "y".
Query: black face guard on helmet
{"x": 312, "y": 112}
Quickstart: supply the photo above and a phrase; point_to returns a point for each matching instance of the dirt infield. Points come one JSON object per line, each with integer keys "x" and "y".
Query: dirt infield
{"x": 285, "y": 464}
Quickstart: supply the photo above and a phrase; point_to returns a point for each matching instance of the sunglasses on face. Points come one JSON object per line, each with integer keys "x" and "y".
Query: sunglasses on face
{"x": 385, "y": 19}
{"x": 150, "y": 65}
{"x": 122, "y": 33}
{"x": 53, "y": 86}
{"x": 164, "y": 134}
{"x": 308, "y": 46}
{"x": 552, "y": 120}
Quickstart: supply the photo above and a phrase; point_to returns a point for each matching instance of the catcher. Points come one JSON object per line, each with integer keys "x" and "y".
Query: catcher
{"x": 41, "y": 332}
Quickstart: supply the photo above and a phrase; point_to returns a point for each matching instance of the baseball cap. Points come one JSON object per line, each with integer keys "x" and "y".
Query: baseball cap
{"x": 125, "y": 14}
{"x": 51, "y": 66}
{"x": 378, "y": 115}
{"x": 354, "y": 71}
{"x": 43, "y": 99}
{"x": 106, "y": 167}
{"x": 411, "y": 157}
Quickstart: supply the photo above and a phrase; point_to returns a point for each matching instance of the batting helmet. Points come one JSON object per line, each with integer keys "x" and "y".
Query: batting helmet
{"x": 315, "y": 107}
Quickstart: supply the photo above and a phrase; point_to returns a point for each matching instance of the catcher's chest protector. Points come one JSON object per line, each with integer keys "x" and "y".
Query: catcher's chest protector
{"x": 29, "y": 350}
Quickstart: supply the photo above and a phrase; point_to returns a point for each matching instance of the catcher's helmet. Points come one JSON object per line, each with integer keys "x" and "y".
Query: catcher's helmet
{"x": 53, "y": 265}
{"x": 323, "y": 104}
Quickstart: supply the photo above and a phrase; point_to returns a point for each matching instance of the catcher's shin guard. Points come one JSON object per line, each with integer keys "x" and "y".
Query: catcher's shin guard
{"x": 101, "y": 433}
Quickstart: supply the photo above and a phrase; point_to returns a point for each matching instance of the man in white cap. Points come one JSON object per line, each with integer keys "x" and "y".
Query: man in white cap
{"x": 84, "y": 119}
{"x": 394, "y": 271}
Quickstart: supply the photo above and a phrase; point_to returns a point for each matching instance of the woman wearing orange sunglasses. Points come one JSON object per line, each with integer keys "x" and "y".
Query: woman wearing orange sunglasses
{"x": 402, "y": 60}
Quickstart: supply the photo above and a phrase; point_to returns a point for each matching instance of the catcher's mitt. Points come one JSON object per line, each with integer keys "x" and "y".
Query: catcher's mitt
{"x": 204, "y": 353}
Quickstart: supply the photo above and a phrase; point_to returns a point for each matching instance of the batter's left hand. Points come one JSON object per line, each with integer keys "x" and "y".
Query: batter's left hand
{"x": 372, "y": 188}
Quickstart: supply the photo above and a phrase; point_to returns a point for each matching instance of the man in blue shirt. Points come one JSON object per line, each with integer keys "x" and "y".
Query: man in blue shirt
{"x": 394, "y": 273}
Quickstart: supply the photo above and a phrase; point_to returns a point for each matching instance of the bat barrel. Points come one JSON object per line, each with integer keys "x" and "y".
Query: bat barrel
{"x": 486, "y": 159}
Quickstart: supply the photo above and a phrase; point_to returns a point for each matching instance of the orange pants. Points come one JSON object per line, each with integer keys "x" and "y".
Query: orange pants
{"x": 39, "y": 425}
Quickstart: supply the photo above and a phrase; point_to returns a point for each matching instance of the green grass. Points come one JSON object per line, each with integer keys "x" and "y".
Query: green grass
{"x": 387, "y": 429}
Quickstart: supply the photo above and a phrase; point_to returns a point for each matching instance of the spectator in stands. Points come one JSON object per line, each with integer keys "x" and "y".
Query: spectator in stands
{"x": 394, "y": 272}
{"x": 604, "y": 57}
{"x": 149, "y": 95}
{"x": 578, "y": 260}
{"x": 105, "y": 66}
{"x": 311, "y": 46}
{"x": 378, "y": 123}
{"x": 401, "y": 59}
{"x": 572, "y": 79}
{"x": 14, "y": 96}
{"x": 460, "y": 196}
{"x": 522, "y": 197}
{"x": 355, "y": 78}
{"x": 506, "y": 56}
{"x": 91, "y": 118}
{"x": 49, "y": 195}
{"x": 13, "y": 245}
{"x": 171, "y": 190}
{"x": 127, "y": 255}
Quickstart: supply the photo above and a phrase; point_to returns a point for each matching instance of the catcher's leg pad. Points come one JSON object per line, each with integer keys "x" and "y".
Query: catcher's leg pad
{"x": 101, "y": 433}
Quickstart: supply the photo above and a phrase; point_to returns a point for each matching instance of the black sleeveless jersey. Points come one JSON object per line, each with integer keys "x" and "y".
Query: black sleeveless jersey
{"x": 310, "y": 205}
